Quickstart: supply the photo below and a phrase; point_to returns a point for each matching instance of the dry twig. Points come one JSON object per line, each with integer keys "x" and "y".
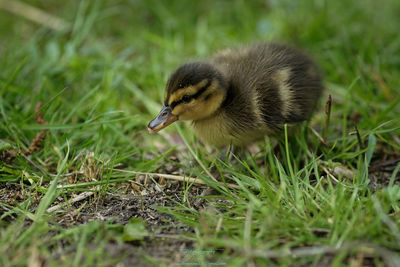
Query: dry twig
{"x": 175, "y": 177}
{"x": 75, "y": 199}
{"x": 322, "y": 140}
{"x": 357, "y": 133}
{"x": 328, "y": 172}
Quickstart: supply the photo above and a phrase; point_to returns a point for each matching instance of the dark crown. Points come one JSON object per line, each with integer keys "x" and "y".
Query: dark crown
{"x": 191, "y": 74}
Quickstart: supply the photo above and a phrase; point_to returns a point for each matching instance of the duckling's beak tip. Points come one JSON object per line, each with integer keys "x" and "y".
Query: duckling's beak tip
{"x": 163, "y": 119}
{"x": 151, "y": 131}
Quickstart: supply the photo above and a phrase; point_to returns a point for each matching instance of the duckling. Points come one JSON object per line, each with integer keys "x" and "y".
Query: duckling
{"x": 239, "y": 96}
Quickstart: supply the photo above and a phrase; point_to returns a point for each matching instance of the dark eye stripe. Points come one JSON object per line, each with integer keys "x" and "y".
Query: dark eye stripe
{"x": 175, "y": 103}
{"x": 202, "y": 90}
{"x": 194, "y": 96}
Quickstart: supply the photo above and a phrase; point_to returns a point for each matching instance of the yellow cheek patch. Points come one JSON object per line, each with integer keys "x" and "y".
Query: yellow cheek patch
{"x": 178, "y": 110}
{"x": 190, "y": 90}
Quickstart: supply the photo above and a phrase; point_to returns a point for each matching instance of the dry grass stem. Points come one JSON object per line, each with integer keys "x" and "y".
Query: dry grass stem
{"x": 34, "y": 14}
{"x": 176, "y": 178}
{"x": 322, "y": 140}
{"x": 328, "y": 107}
{"x": 75, "y": 199}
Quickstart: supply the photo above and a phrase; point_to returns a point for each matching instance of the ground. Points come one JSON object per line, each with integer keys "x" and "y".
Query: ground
{"x": 82, "y": 183}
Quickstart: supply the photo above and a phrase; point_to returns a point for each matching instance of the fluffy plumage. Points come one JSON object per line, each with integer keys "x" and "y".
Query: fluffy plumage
{"x": 240, "y": 95}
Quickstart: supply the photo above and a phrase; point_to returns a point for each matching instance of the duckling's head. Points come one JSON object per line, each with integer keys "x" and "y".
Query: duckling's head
{"x": 194, "y": 91}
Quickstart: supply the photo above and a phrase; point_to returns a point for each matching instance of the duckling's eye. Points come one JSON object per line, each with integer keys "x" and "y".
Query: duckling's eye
{"x": 186, "y": 98}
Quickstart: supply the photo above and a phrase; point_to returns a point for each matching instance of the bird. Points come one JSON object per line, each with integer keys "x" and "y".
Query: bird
{"x": 239, "y": 95}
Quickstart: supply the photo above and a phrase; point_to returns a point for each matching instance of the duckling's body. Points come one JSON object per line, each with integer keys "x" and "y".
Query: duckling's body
{"x": 221, "y": 129}
{"x": 238, "y": 96}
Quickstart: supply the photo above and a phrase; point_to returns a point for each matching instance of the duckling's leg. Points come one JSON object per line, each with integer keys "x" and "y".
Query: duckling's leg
{"x": 228, "y": 154}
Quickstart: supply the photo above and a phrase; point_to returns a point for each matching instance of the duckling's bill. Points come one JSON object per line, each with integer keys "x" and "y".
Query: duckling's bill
{"x": 163, "y": 119}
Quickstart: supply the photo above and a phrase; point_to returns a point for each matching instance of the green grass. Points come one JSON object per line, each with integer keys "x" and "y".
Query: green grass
{"x": 102, "y": 80}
